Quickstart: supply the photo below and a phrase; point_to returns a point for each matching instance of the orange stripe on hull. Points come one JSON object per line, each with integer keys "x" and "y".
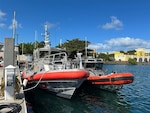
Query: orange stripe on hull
{"x": 117, "y": 79}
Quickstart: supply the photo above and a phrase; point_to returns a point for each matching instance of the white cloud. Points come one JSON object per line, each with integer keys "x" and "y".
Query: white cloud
{"x": 98, "y": 46}
{"x": 2, "y": 14}
{"x": 2, "y": 25}
{"x": 129, "y": 42}
{"x": 122, "y": 43}
{"x": 114, "y": 24}
{"x": 18, "y": 25}
{"x": 51, "y": 25}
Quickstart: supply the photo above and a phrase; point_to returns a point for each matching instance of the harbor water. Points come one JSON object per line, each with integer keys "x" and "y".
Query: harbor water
{"x": 132, "y": 98}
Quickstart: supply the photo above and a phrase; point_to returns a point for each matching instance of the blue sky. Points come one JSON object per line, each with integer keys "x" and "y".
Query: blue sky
{"x": 110, "y": 25}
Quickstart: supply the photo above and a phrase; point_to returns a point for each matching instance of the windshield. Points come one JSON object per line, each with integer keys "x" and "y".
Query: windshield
{"x": 93, "y": 65}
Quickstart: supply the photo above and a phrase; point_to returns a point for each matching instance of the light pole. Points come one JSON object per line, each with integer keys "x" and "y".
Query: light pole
{"x": 22, "y": 48}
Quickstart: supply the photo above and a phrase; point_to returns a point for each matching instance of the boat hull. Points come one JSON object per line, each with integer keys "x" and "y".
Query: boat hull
{"x": 111, "y": 87}
{"x": 111, "y": 82}
{"x": 62, "y": 83}
{"x": 117, "y": 79}
{"x": 62, "y": 88}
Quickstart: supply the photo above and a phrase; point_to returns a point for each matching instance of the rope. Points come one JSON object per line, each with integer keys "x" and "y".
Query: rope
{"x": 40, "y": 64}
{"x": 36, "y": 83}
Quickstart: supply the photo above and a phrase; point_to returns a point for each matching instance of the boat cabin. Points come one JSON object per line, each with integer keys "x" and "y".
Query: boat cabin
{"x": 92, "y": 63}
{"x": 42, "y": 52}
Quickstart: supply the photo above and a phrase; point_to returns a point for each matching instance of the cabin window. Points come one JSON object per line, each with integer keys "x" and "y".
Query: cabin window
{"x": 43, "y": 54}
{"x": 99, "y": 66}
{"x": 94, "y": 65}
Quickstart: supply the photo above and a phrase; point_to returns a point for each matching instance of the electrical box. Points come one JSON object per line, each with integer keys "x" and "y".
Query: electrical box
{"x": 10, "y": 73}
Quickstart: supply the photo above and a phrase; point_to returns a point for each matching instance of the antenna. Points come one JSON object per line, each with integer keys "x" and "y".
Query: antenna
{"x": 46, "y": 35}
{"x": 60, "y": 42}
{"x": 14, "y": 25}
{"x": 35, "y": 45}
{"x": 86, "y": 47}
{"x": 22, "y": 47}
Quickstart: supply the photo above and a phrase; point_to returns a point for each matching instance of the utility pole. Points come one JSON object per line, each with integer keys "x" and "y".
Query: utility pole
{"x": 22, "y": 47}
{"x": 85, "y": 47}
{"x": 14, "y": 26}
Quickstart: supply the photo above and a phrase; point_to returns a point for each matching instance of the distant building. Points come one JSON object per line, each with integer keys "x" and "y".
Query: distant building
{"x": 141, "y": 55}
{"x": 120, "y": 56}
{"x": 1, "y": 51}
{"x": 2, "y": 48}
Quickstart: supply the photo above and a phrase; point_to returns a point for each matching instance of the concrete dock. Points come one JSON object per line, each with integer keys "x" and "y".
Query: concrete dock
{"x": 16, "y": 105}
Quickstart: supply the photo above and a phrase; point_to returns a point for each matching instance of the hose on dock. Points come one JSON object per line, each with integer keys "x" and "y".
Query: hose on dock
{"x": 10, "y": 108}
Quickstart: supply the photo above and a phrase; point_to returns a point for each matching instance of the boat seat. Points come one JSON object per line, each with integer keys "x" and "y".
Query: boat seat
{"x": 59, "y": 66}
{"x": 51, "y": 67}
{"x": 46, "y": 67}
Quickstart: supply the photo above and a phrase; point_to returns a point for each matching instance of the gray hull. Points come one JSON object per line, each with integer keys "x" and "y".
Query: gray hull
{"x": 62, "y": 88}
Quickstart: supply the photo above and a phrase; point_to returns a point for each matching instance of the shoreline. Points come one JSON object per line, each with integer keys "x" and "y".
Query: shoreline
{"x": 126, "y": 63}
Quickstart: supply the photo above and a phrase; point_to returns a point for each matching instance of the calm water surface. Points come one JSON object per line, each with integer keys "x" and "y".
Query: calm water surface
{"x": 133, "y": 98}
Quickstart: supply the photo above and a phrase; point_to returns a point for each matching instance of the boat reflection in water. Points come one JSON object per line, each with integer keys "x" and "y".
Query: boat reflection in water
{"x": 85, "y": 101}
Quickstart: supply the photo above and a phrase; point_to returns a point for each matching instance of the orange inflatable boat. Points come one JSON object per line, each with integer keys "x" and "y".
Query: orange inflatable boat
{"x": 111, "y": 79}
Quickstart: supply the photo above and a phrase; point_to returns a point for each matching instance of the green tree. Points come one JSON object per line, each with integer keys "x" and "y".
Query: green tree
{"x": 111, "y": 57}
{"x": 27, "y": 48}
{"x": 104, "y": 56}
{"x": 131, "y": 52}
{"x": 74, "y": 46}
{"x": 122, "y": 52}
{"x": 132, "y": 61}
